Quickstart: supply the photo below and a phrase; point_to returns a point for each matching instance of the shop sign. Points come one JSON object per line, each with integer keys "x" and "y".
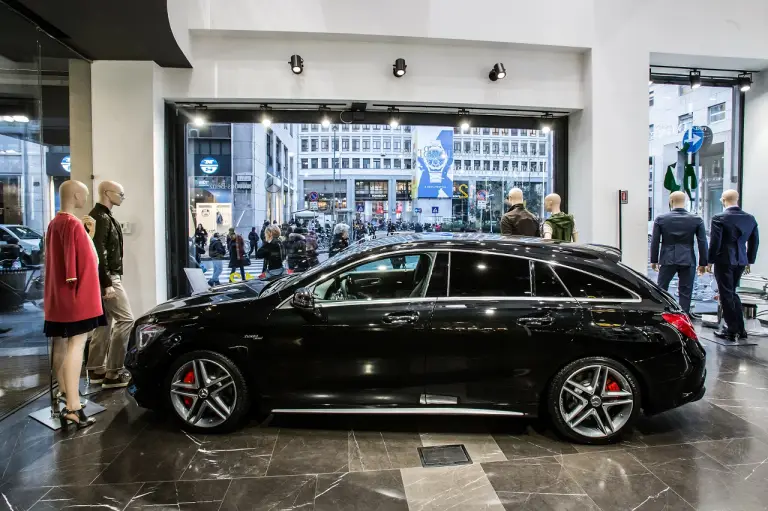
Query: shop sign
{"x": 66, "y": 163}
{"x": 243, "y": 186}
{"x": 209, "y": 165}
{"x": 460, "y": 190}
{"x": 481, "y": 204}
{"x": 243, "y": 177}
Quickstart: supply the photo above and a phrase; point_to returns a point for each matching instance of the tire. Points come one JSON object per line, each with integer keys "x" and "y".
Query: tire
{"x": 221, "y": 406}
{"x": 594, "y": 414}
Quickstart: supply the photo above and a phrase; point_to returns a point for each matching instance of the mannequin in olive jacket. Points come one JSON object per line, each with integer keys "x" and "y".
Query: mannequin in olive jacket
{"x": 559, "y": 226}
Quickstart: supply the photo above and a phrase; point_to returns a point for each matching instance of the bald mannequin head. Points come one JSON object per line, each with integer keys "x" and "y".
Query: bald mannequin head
{"x": 72, "y": 195}
{"x": 552, "y": 203}
{"x": 515, "y": 196}
{"x": 730, "y": 198}
{"x": 111, "y": 194}
{"x": 677, "y": 199}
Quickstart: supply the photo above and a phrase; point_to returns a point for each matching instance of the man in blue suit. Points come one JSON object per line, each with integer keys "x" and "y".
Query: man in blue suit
{"x": 676, "y": 230}
{"x": 732, "y": 248}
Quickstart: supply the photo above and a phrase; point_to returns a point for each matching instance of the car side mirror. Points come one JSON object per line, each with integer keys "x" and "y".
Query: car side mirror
{"x": 303, "y": 299}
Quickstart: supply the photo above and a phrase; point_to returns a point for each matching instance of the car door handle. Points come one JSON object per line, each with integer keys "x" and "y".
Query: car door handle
{"x": 541, "y": 321}
{"x": 367, "y": 282}
{"x": 399, "y": 318}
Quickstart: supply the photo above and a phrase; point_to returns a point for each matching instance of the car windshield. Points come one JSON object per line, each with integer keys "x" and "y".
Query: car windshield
{"x": 24, "y": 233}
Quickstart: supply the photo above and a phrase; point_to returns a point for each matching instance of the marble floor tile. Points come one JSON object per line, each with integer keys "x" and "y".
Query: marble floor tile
{"x": 206, "y": 494}
{"x": 80, "y": 470}
{"x": 374, "y": 450}
{"x": 602, "y": 465}
{"x": 482, "y": 447}
{"x": 20, "y": 497}
{"x": 641, "y": 492}
{"x": 271, "y": 493}
{"x": 536, "y": 483}
{"x": 735, "y": 451}
{"x": 380, "y": 490}
{"x": 531, "y": 444}
{"x": 233, "y": 456}
{"x": 102, "y": 496}
{"x": 308, "y": 451}
{"x": 463, "y": 487}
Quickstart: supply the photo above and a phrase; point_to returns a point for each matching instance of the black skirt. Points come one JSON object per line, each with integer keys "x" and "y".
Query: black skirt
{"x": 57, "y": 329}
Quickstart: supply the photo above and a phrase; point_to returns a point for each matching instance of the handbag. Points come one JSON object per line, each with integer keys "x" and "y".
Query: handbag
{"x": 246, "y": 261}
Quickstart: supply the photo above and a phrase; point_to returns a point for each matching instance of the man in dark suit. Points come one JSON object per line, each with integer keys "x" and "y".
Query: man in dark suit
{"x": 676, "y": 231}
{"x": 733, "y": 241}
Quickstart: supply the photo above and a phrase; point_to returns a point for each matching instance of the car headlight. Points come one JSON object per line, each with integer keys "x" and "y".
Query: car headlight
{"x": 146, "y": 334}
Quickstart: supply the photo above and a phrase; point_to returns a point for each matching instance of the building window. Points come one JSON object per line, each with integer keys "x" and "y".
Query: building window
{"x": 355, "y": 127}
{"x": 366, "y": 144}
{"x": 650, "y": 98}
{"x": 514, "y": 166}
{"x": 366, "y": 127}
{"x": 495, "y": 131}
{"x": 313, "y": 144}
{"x": 387, "y": 163}
{"x": 396, "y": 145}
{"x": 407, "y": 146}
{"x": 324, "y": 128}
{"x": 524, "y": 166}
{"x": 533, "y": 166}
{"x": 486, "y": 131}
{"x": 345, "y": 163}
{"x": 387, "y": 144}
{"x": 345, "y": 144}
{"x": 650, "y": 132}
{"x": 345, "y": 127}
{"x": 457, "y": 165}
{"x": 335, "y": 163}
{"x": 476, "y": 147}
{"x": 376, "y": 127}
{"x": 467, "y": 164}
{"x": 397, "y": 163}
{"x": 542, "y": 149}
{"x": 533, "y": 149}
{"x": 356, "y": 144}
{"x": 496, "y": 165}
{"x": 504, "y": 132}
{"x": 514, "y": 148}
{"x": 305, "y": 163}
{"x": 313, "y": 127}
{"x": 377, "y": 162}
{"x": 505, "y": 166}
{"x": 467, "y": 147}
{"x": 355, "y": 163}
{"x": 407, "y": 164}
{"x": 513, "y": 132}
{"x": 335, "y": 144}
{"x": 716, "y": 113}
{"x": 684, "y": 122}
{"x": 324, "y": 145}
{"x": 323, "y": 163}
{"x": 477, "y": 165}
{"x": 486, "y": 165}
{"x": 313, "y": 163}
{"x": 495, "y": 148}
{"x": 457, "y": 147}
{"x": 366, "y": 163}
{"x": 304, "y": 145}
{"x": 486, "y": 148}
{"x": 376, "y": 144}
{"x": 305, "y": 127}
{"x": 524, "y": 149}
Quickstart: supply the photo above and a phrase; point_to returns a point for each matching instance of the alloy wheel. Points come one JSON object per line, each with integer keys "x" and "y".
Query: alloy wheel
{"x": 203, "y": 393}
{"x": 596, "y": 401}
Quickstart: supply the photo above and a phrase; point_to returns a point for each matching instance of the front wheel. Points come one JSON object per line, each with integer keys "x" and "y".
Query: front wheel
{"x": 207, "y": 392}
{"x": 594, "y": 400}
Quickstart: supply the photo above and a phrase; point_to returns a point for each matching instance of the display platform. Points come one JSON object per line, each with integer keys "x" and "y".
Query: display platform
{"x": 44, "y": 416}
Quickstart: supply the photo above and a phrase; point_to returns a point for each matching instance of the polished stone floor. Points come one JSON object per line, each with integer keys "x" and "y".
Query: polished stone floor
{"x": 712, "y": 454}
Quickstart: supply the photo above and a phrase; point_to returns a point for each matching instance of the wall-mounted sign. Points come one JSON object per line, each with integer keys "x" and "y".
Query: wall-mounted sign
{"x": 313, "y": 205}
{"x": 417, "y": 210}
{"x": 435, "y": 209}
{"x": 624, "y": 196}
{"x": 66, "y": 163}
{"x": 243, "y": 177}
{"x": 314, "y": 196}
{"x": 209, "y": 165}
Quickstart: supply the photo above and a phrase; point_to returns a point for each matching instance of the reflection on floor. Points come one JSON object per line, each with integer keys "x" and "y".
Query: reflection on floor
{"x": 712, "y": 454}
{"x": 24, "y": 363}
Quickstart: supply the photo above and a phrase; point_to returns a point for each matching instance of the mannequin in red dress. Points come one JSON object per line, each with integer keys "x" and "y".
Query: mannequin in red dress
{"x": 72, "y": 296}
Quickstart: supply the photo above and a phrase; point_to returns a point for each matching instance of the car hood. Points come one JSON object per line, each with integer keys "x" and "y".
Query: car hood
{"x": 219, "y": 295}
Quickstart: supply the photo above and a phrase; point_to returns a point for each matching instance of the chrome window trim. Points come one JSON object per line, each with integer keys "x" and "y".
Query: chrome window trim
{"x": 636, "y": 298}
{"x": 384, "y": 301}
{"x": 448, "y": 284}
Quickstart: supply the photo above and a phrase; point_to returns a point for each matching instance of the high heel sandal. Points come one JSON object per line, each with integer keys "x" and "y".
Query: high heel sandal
{"x": 83, "y": 421}
{"x": 61, "y": 397}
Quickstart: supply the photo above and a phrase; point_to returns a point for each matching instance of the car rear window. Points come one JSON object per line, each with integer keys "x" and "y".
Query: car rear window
{"x": 584, "y": 285}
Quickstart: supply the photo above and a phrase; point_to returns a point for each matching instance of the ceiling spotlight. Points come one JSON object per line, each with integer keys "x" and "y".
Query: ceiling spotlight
{"x": 266, "y": 118}
{"x": 464, "y": 120}
{"x": 297, "y": 64}
{"x": 399, "y": 68}
{"x": 545, "y": 125}
{"x": 198, "y": 121}
{"x": 394, "y": 120}
{"x": 695, "y": 78}
{"x": 326, "y": 120}
{"x": 498, "y": 72}
{"x": 745, "y": 81}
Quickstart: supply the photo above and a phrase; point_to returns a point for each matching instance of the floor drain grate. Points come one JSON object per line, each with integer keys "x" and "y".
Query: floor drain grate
{"x": 444, "y": 456}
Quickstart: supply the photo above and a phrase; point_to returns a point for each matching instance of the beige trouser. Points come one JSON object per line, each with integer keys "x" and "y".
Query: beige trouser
{"x": 109, "y": 343}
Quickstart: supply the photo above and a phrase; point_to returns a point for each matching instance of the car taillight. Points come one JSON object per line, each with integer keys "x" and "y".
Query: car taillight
{"x": 682, "y": 324}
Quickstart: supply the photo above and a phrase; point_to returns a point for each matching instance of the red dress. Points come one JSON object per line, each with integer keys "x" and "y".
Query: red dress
{"x": 72, "y": 292}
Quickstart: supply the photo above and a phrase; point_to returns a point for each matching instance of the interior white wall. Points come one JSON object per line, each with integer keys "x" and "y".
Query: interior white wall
{"x": 755, "y": 161}
{"x": 239, "y": 67}
{"x": 128, "y": 147}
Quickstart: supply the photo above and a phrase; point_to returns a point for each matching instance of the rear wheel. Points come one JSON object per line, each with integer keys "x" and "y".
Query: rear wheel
{"x": 594, "y": 400}
{"x": 207, "y": 392}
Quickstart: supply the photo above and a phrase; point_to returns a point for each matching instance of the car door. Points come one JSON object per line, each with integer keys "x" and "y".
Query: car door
{"x": 484, "y": 336}
{"x": 362, "y": 342}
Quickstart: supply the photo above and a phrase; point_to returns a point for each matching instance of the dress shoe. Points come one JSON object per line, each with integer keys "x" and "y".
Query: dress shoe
{"x": 725, "y": 335}
{"x": 742, "y": 335}
{"x": 94, "y": 377}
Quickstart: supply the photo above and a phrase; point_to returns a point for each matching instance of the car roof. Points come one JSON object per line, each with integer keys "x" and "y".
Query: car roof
{"x": 512, "y": 245}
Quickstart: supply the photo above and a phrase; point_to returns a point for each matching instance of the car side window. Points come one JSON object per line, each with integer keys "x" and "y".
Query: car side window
{"x": 387, "y": 278}
{"x": 488, "y": 275}
{"x": 584, "y": 285}
{"x": 546, "y": 283}
{"x": 438, "y": 282}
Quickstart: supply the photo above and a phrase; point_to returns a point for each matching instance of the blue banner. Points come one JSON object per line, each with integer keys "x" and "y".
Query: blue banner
{"x": 434, "y": 168}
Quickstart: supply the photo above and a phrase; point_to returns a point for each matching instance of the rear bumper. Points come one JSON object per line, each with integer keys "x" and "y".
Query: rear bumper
{"x": 687, "y": 388}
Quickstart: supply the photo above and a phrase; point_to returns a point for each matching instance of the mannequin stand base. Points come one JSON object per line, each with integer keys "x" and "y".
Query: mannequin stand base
{"x": 722, "y": 342}
{"x": 43, "y": 416}
{"x": 87, "y": 388}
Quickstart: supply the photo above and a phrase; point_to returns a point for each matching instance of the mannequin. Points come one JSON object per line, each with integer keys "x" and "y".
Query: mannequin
{"x": 559, "y": 225}
{"x": 518, "y": 221}
{"x": 72, "y": 298}
{"x": 109, "y": 343}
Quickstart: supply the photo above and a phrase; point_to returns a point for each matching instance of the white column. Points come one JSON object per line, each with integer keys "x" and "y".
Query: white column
{"x": 80, "y": 132}
{"x": 129, "y": 147}
{"x": 608, "y": 139}
{"x": 755, "y": 186}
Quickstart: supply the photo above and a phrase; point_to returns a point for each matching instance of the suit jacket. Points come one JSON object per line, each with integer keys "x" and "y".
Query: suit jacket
{"x": 518, "y": 221}
{"x": 676, "y": 231}
{"x": 733, "y": 238}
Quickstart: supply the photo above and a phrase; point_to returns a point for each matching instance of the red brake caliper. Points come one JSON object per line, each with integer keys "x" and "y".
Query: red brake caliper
{"x": 612, "y": 386}
{"x": 189, "y": 378}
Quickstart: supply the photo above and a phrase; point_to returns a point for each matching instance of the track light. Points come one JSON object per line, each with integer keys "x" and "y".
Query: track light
{"x": 695, "y": 78}
{"x": 745, "y": 81}
{"x": 326, "y": 119}
{"x": 266, "y": 118}
{"x": 545, "y": 125}
{"x": 497, "y": 72}
{"x": 394, "y": 120}
{"x": 198, "y": 121}
{"x": 464, "y": 120}
{"x": 399, "y": 68}
{"x": 297, "y": 64}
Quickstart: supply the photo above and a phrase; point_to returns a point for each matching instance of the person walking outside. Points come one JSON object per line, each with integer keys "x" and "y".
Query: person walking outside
{"x": 201, "y": 238}
{"x": 237, "y": 255}
{"x": 340, "y": 239}
{"x": 217, "y": 252}
{"x": 271, "y": 251}
{"x": 253, "y": 240}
